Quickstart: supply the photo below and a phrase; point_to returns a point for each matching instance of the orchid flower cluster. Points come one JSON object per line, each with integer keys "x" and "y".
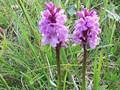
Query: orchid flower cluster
{"x": 54, "y": 32}
{"x": 87, "y": 28}
{"x": 52, "y": 26}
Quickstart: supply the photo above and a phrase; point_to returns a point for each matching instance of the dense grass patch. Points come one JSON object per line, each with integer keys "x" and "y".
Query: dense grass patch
{"x": 25, "y": 64}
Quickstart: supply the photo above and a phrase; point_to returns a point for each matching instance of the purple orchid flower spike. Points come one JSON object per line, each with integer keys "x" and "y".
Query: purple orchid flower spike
{"x": 87, "y": 28}
{"x": 54, "y": 32}
{"x": 52, "y": 26}
{"x": 86, "y": 32}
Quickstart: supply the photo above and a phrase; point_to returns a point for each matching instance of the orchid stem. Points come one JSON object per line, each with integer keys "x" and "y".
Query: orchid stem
{"x": 84, "y": 67}
{"x": 58, "y": 67}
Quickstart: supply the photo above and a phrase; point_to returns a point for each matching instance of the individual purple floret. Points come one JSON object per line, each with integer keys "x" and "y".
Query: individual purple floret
{"x": 52, "y": 26}
{"x": 87, "y": 28}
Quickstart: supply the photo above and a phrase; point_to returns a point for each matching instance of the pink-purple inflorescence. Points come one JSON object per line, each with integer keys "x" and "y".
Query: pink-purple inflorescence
{"x": 52, "y": 26}
{"x": 87, "y": 28}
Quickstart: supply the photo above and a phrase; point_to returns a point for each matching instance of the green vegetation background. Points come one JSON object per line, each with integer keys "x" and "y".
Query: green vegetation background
{"x": 25, "y": 64}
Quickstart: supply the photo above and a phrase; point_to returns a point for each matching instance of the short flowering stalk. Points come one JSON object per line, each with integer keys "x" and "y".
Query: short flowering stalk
{"x": 84, "y": 66}
{"x": 87, "y": 34}
{"x": 58, "y": 66}
{"x": 54, "y": 32}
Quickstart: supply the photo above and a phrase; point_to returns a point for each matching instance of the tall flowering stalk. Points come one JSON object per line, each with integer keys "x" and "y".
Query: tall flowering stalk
{"x": 86, "y": 33}
{"x": 54, "y": 32}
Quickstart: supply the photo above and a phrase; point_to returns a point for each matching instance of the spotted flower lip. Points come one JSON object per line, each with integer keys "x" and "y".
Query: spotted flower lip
{"x": 87, "y": 28}
{"x": 52, "y": 26}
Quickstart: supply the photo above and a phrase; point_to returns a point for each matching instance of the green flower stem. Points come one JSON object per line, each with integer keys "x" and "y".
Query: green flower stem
{"x": 84, "y": 67}
{"x": 58, "y": 67}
